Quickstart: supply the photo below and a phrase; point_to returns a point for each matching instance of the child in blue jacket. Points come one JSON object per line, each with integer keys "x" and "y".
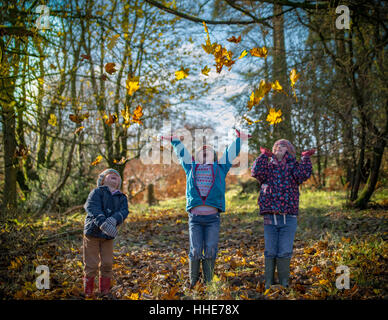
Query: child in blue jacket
{"x": 107, "y": 208}
{"x": 205, "y": 200}
{"x": 280, "y": 176}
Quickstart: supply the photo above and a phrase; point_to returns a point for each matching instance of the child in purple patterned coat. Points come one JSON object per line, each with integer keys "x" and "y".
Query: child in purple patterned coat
{"x": 280, "y": 176}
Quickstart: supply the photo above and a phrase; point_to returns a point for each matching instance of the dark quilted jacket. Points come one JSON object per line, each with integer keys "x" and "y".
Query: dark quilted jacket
{"x": 279, "y": 192}
{"x": 100, "y": 205}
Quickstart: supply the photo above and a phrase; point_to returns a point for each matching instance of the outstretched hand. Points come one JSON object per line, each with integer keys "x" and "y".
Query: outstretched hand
{"x": 308, "y": 153}
{"x": 242, "y": 135}
{"x": 265, "y": 151}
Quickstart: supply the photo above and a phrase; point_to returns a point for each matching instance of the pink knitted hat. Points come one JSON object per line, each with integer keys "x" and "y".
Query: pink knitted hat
{"x": 286, "y": 143}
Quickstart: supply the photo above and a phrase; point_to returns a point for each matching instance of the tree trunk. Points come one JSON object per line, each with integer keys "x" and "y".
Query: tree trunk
{"x": 279, "y": 72}
{"x": 378, "y": 151}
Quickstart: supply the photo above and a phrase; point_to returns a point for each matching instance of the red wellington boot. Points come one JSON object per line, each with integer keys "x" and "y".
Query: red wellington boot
{"x": 104, "y": 285}
{"x": 88, "y": 286}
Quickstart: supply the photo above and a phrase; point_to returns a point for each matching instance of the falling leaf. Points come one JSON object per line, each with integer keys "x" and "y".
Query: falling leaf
{"x": 294, "y": 77}
{"x": 104, "y": 77}
{"x": 258, "y": 94}
{"x": 223, "y": 57}
{"x": 234, "y": 39}
{"x": 259, "y": 52}
{"x": 243, "y": 54}
{"x": 276, "y": 86}
{"x": 137, "y": 114}
{"x": 111, "y": 119}
{"x": 79, "y": 129}
{"x": 85, "y": 57}
{"x": 97, "y": 161}
{"x": 182, "y": 73}
{"x": 110, "y": 67}
{"x": 132, "y": 85}
{"x": 274, "y": 116}
{"x": 53, "y": 120}
{"x": 205, "y": 71}
{"x": 112, "y": 41}
{"x": 79, "y": 118}
{"x": 208, "y": 47}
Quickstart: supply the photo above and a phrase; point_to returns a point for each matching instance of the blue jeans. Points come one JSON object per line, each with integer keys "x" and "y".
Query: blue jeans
{"x": 204, "y": 234}
{"x": 279, "y": 235}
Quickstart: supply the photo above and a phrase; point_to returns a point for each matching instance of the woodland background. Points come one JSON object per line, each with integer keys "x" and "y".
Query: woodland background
{"x": 76, "y": 97}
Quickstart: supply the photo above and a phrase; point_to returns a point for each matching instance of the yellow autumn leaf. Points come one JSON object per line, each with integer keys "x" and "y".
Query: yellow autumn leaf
{"x": 259, "y": 52}
{"x": 208, "y": 47}
{"x": 97, "y": 161}
{"x": 132, "y": 85}
{"x": 134, "y": 296}
{"x": 277, "y": 86}
{"x": 53, "y": 120}
{"x": 274, "y": 116}
{"x": 258, "y": 94}
{"x": 205, "y": 71}
{"x": 243, "y": 54}
{"x": 182, "y": 74}
{"x": 294, "y": 77}
{"x": 216, "y": 279}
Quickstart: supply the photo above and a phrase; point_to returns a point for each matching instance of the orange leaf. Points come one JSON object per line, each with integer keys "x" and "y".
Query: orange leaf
{"x": 234, "y": 39}
{"x": 97, "y": 161}
{"x": 112, "y": 119}
{"x": 110, "y": 67}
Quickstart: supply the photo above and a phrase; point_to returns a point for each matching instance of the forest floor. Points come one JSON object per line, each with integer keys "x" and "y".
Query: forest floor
{"x": 151, "y": 262}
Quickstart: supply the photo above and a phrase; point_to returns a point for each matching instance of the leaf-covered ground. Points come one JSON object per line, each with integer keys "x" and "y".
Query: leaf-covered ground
{"x": 150, "y": 254}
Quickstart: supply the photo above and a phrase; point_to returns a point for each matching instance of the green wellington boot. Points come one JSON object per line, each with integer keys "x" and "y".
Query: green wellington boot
{"x": 194, "y": 266}
{"x": 283, "y": 266}
{"x": 208, "y": 269}
{"x": 269, "y": 272}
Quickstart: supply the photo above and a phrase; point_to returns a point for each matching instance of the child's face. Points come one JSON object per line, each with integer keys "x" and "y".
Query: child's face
{"x": 280, "y": 150}
{"x": 205, "y": 156}
{"x": 112, "y": 180}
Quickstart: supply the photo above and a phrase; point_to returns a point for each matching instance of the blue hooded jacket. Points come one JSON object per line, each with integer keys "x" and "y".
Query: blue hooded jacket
{"x": 216, "y": 195}
{"x": 100, "y": 205}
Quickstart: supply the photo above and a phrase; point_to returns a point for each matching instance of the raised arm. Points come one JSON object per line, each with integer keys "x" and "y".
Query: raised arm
{"x": 260, "y": 168}
{"x": 233, "y": 151}
{"x": 184, "y": 156}
{"x": 302, "y": 170}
